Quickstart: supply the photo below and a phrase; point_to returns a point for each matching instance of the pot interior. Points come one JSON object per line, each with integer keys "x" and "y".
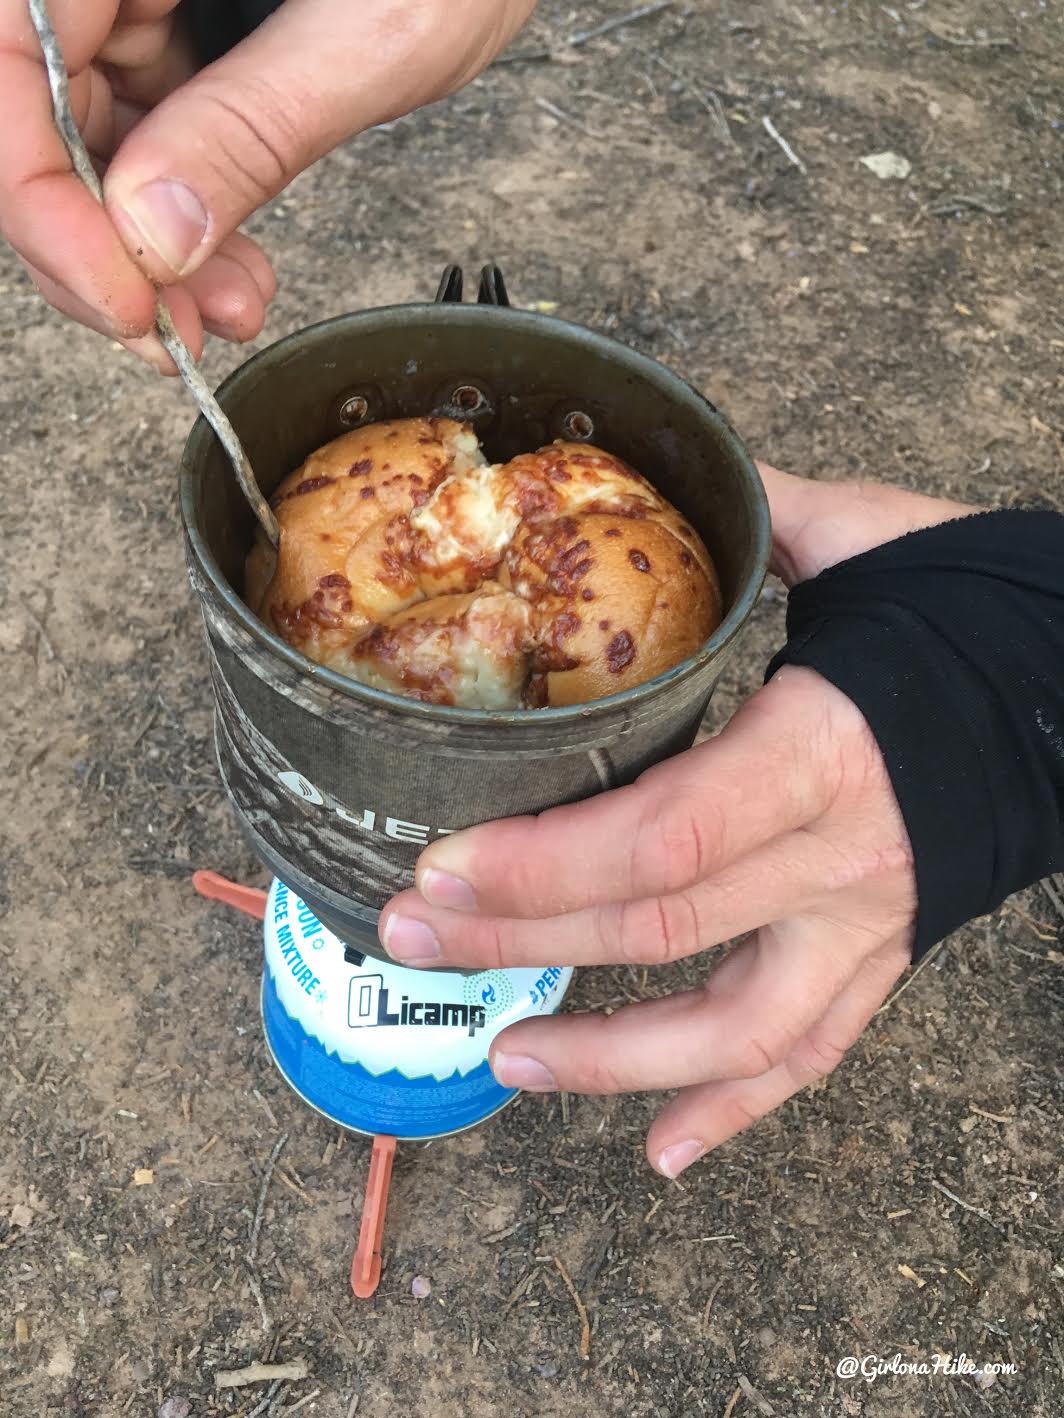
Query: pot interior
{"x": 522, "y": 379}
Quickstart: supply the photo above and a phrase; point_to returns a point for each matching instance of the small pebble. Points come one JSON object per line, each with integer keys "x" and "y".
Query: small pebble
{"x": 546, "y": 1368}
{"x": 984, "y": 1378}
{"x": 141, "y": 1370}
{"x": 108, "y": 1296}
{"x": 766, "y": 1337}
{"x": 421, "y": 1287}
{"x": 175, "y": 1408}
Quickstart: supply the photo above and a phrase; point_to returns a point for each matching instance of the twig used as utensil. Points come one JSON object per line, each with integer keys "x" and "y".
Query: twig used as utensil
{"x": 164, "y": 325}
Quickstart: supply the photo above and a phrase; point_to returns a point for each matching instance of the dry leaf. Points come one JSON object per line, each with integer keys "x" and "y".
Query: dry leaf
{"x": 22, "y": 1330}
{"x": 911, "y": 1274}
{"x": 21, "y": 1214}
{"x": 961, "y": 309}
{"x": 858, "y": 248}
{"x": 143, "y": 1177}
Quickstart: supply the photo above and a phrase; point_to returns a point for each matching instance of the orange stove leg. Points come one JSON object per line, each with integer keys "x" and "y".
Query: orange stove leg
{"x": 248, "y": 899}
{"x": 366, "y": 1266}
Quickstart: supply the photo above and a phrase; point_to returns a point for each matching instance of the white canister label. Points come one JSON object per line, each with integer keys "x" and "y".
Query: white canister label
{"x": 380, "y": 1048}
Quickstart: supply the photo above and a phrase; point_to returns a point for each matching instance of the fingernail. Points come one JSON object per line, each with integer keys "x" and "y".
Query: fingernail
{"x": 674, "y": 1159}
{"x": 410, "y": 942}
{"x": 519, "y": 1071}
{"x": 169, "y": 218}
{"x": 440, "y": 888}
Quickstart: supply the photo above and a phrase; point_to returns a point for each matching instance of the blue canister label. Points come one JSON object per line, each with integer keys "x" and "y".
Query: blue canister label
{"x": 380, "y": 1048}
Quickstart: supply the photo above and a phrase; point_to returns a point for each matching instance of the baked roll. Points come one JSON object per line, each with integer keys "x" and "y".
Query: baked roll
{"x": 410, "y": 564}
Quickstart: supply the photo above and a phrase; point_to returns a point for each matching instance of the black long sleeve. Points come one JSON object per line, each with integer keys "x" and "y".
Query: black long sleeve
{"x": 217, "y": 25}
{"x": 951, "y": 643}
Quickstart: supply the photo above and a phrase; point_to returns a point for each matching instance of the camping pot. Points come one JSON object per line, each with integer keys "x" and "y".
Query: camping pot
{"x": 338, "y": 786}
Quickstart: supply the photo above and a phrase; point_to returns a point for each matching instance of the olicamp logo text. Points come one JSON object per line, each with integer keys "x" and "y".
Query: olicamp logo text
{"x": 369, "y": 820}
{"x": 370, "y": 1006}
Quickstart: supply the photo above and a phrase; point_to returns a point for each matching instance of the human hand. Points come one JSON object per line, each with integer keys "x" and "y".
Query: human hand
{"x": 785, "y": 825}
{"x": 187, "y": 156}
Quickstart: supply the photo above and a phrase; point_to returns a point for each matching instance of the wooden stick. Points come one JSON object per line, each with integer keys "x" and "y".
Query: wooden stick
{"x": 608, "y": 26}
{"x": 164, "y": 325}
{"x": 712, "y": 104}
{"x": 300, "y": 1403}
{"x": 255, "y": 1287}
{"x": 963, "y": 41}
{"x": 260, "y": 1374}
{"x": 777, "y": 137}
{"x": 903, "y": 987}
{"x": 574, "y": 41}
{"x": 267, "y": 1402}
{"x": 581, "y": 1310}
{"x": 1050, "y": 887}
{"x": 752, "y": 1395}
{"x": 967, "y": 1206}
{"x": 267, "y": 1173}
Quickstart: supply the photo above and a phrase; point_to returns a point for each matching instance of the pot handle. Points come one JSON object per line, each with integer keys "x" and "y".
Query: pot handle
{"x": 492, "y": 289}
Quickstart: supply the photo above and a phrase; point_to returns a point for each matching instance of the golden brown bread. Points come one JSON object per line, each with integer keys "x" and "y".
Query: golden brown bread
{"x": 342, "y": 514}
{"x": 470, "y": 647}
{"x": 411, "y": 565}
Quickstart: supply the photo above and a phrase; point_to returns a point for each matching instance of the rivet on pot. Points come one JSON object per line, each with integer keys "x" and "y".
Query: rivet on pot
{"x": 467, "y": 400}
{"x": 578, "y": 426}
{"x": 353, "y": 411}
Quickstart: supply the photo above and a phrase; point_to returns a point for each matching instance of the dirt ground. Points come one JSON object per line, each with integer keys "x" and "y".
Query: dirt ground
{"x": 904, "y": 328}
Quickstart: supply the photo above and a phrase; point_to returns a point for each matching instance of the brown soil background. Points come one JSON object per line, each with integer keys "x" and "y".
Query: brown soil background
{"x": 848, "y": 325}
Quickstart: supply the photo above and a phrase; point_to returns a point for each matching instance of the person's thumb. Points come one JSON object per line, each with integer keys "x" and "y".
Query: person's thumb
{"x": 231, "y": 138}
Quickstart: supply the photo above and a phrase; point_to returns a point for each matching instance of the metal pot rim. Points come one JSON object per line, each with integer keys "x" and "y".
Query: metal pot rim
{"x": 492, "y": 316}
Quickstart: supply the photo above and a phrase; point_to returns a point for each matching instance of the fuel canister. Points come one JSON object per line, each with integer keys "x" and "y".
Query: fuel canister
{"x": 378, "y": 1047}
